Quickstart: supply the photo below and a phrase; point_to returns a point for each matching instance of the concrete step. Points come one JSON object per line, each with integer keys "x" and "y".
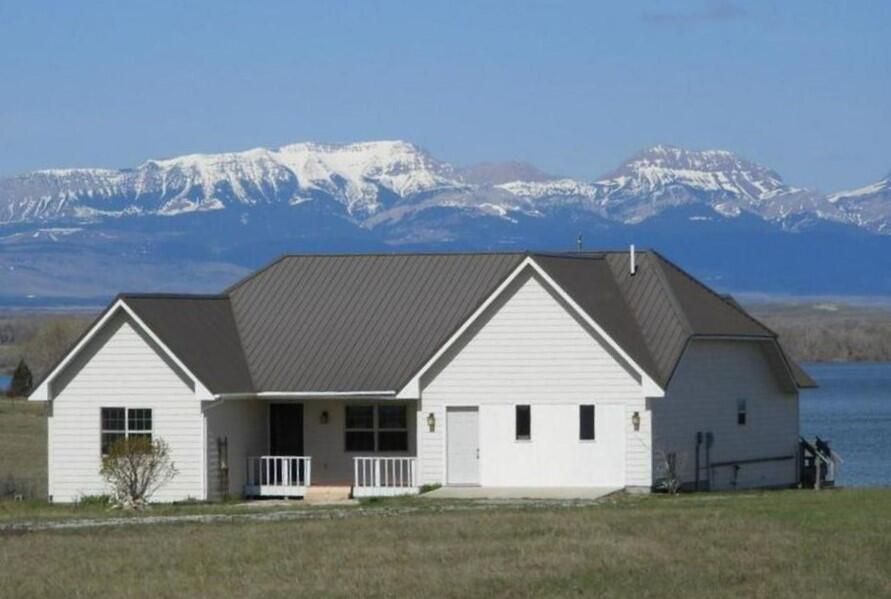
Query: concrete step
{"x": 327, "y": 494}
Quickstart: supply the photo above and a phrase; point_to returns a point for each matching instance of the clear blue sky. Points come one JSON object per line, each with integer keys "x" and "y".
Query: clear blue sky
{"x": 574, "y": 87}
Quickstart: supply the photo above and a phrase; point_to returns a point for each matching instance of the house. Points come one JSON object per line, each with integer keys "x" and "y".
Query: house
{"x": 386, "y": 372}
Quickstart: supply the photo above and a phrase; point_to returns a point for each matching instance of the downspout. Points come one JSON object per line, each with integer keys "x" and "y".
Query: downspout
{"x": 709, "y": 439}
{"x": 698, "y": 449}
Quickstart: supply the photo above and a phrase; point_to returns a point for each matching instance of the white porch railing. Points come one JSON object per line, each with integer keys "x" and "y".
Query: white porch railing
{"x": 278, "y": 476}
{"x": 378, "y": 476}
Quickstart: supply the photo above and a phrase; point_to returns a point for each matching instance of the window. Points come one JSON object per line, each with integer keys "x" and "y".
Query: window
{"x": 524, "y": 423}
{"x": 586, "y": 423}
{"x": 121, "y": 423}
{"x": 741, "y": 413}
{"x": 376, "y": 428}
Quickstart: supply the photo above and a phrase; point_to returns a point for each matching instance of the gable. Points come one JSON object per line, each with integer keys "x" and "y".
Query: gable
{"x": 531, "y": 342}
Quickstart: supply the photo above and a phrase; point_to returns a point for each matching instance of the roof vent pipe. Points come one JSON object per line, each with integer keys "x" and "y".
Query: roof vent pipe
{"x": 632, "y": 263}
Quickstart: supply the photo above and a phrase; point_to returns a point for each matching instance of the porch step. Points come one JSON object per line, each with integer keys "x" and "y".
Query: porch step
{"x": 327, "y": 494}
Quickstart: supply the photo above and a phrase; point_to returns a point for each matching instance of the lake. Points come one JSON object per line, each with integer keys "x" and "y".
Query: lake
{"x": 852, "y": 409}
{"x": 4, "y": 381}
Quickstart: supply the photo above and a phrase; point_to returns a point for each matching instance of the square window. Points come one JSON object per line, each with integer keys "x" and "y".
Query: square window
{"x": 360, "y": 417}
{"x": 360, "y": 440}
{"x": 139, "y": 420}
{"x": 391, "y": 417}
{"x": 741, "y": 412}
{"x": 114, "y": 419}
{"x": 586, "y": 423}
{"x": 524, "y": 423}
{"x": 392, "y": 441}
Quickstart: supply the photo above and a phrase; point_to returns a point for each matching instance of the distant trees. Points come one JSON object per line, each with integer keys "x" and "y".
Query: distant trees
{"x": 51, "y": 340}
{"x": 22, "y": 381}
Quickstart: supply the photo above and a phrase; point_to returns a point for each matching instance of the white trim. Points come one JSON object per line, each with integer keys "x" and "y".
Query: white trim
{"x": 42, "y": 393}
{"x": 412, "y": 389}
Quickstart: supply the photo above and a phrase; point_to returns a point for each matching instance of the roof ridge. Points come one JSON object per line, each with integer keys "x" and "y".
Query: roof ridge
{"x": 158, "y": 295}
{"x": 729, "y": 302}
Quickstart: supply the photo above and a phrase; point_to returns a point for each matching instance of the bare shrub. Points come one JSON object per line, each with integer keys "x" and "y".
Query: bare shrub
{"x": 136, "y": 468}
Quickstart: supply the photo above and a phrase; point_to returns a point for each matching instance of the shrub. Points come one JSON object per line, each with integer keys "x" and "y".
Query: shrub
{"x": 91, "y": 500}
{"x": 136, "y": 468}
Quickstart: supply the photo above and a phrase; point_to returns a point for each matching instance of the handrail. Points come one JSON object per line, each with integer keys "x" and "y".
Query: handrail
{"x": 387, "y": 472}
{"x": 279, "y": 471}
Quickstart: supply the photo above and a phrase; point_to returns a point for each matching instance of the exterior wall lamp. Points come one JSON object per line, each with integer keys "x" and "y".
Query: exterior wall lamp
{"x": 635, "y": 421}
{"x": 431, "y": 422}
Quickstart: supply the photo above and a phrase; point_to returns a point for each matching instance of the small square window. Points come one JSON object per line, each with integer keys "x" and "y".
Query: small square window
{"x": 524, "y": 423}
{"x": 741, "y": 412}
{"x": 360, "y": 417}
{"x": 586, "y": 423}
{"x": 360, "y": 440}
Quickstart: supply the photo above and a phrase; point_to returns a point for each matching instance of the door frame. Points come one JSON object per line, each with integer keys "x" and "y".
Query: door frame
{"x": 269, "y": 424}
{"x": 461, "y": 408}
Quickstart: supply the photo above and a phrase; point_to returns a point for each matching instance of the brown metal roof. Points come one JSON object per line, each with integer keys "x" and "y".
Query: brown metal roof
{"x": 369, "y": 322}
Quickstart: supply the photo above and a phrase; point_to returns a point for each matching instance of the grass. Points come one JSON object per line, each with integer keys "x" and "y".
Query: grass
{"x": 777, "y": 544}
{"x": 771, "y": 544}
{"x": 22, "y": 448}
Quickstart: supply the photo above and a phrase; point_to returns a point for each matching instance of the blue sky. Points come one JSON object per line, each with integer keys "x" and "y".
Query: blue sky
{"x": 574, "y": 87}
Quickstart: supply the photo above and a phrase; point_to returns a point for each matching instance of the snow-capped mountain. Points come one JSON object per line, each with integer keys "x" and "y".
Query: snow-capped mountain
{"x": 868, "y": 207}
{"x": 196, "y": 221}
{"x": 359, "y": 176}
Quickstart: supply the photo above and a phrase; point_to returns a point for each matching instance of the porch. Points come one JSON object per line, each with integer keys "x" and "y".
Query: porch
{"x": 291, "y": 476}
{"x": 285, "y": 448}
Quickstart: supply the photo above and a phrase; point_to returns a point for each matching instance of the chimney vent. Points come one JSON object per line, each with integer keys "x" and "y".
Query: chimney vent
{"x": 632, "y": 262}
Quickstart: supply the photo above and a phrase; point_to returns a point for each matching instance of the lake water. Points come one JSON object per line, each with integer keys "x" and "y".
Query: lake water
{"x": 4, "y": 381}
{"x": 852, "y": 409}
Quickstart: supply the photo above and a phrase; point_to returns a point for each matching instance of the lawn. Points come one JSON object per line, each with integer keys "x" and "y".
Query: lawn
{"x": 779, "y": 544}
{"x": 22, "y": 449}
{"x": 770, "y": 544}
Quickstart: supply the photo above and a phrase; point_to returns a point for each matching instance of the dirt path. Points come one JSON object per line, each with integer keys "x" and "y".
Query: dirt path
{"x": 326, "y": 513}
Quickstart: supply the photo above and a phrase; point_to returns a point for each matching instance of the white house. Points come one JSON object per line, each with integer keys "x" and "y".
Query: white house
{"x": 385, "y": 372}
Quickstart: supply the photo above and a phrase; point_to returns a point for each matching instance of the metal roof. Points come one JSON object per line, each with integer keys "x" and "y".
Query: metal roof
{"x": 369, "y": 322}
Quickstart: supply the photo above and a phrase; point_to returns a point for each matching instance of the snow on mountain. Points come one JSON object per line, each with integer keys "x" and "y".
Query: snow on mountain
{"x": 380, "y": 183}
{"x": 356, "y": 175}
{"x": 868, "y": 207}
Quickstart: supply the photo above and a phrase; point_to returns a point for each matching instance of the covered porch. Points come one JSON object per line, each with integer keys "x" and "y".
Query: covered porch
{"x": 284, "y": 448}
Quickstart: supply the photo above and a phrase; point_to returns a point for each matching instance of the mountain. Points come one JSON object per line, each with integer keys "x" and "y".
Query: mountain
{"x": 199, "y": 221}
{"x": 868, "y": 207}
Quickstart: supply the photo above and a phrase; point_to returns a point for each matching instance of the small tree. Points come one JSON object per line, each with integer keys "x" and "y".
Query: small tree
{"x": 22, "y": 381}
{"x": 136, "y": 468}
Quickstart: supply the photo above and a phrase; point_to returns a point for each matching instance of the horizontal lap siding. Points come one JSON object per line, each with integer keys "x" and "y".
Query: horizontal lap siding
{"x": 122, "y": 368}
{"x": 703, "y": 394}
{"x": 530, "y": 349}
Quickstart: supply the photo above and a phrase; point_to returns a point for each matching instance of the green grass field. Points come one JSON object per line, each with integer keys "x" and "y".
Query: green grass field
{"x": 772, "y": 544}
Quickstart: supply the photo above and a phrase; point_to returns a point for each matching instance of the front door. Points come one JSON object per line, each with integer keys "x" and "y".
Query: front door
{"x": 463, "y": 446}
{"x": 286, "y": 429}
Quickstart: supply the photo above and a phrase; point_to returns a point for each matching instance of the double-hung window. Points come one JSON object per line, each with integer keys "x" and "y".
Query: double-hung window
{"x": 376, "y": 428}
{"x": 123, "y": 423}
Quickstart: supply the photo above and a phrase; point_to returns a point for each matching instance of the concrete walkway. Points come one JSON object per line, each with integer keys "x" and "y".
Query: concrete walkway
{"x": 513, "y": 493}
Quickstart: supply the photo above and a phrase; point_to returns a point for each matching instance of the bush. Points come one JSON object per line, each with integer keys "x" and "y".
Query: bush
{"x": 136, "y": 468}
{"x": 94, "y": 500}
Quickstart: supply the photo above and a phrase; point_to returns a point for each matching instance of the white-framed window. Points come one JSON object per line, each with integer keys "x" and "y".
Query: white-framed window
{"x": 742, "y": 414}
{"x": 586, "y": 423}
{"x": 378, "y": 428}
{"x": 124, "y": 423}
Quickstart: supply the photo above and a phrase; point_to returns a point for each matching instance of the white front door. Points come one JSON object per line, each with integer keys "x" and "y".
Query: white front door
{"x": 463, "y": 446}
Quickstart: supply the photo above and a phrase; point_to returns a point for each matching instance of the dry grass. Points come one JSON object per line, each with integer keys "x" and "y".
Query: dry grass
{"x": 22, "y": 449}
{"x": 782, "y": 544}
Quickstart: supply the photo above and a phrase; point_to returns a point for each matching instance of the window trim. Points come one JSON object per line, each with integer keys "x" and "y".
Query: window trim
{"x": 126, "y": 431}
{"x": 517, "y": 436}
{"x": 593, "y": 423}
{"x": 376, "y": 429}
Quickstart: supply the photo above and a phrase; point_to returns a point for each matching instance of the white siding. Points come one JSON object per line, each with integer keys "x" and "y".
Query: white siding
{"x": 702, "y": 396}
{"x": 243, "y": 424}
{"x": 530, "y": 349}
{"x": 122, "y": 368}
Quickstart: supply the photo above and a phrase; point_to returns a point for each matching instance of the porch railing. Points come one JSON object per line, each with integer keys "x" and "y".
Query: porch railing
{"x": 284, "y": 476}
{"x": 380, "y": 476}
